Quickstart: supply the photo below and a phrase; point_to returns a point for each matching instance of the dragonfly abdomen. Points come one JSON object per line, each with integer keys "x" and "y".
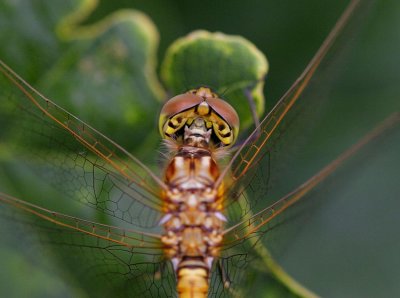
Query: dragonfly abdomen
{"x": 193, "y": 220}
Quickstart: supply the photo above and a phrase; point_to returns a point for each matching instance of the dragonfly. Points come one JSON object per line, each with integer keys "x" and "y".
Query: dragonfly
{"x": 106, "y": 176}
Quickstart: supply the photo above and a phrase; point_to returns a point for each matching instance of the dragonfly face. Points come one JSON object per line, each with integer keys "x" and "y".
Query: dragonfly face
{"x": 183, "y": 109}
{"x": 100, "y": 173}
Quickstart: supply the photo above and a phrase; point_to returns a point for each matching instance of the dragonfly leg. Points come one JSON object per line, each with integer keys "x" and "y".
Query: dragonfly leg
{"x": 253, "y": 110}
{"x": 256, "y": 119}
{"x": 224, "y": 275}
{"x": 162, "y": 268}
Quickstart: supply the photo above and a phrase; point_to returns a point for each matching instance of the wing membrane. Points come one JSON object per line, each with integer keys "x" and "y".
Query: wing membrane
{"x": 104, "y": 259}
{"x": 80, "y": 161}
{"x": 251, "y": 152}
{"x": 245, "y": 242}
{"x": 129, "y": 238}
{"x": 249, "y": 179}
{"x": 258, "y": 202}
{"x": 242, "y": 230}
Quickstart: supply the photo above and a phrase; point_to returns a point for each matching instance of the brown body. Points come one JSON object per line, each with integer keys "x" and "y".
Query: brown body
{"x": 194, "y": 223}
{"x": 193, "y": 220}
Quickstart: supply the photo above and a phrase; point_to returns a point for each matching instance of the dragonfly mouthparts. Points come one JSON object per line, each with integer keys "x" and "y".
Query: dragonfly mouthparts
{"x": 197, "y": 134}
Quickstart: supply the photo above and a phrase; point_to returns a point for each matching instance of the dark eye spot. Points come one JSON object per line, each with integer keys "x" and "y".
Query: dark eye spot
{"x": 221, "y": 126}
{"x": 172, "y": 125}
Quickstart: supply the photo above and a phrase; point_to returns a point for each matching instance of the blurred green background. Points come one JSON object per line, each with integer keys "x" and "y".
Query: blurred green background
{"x": 349, "y": 246}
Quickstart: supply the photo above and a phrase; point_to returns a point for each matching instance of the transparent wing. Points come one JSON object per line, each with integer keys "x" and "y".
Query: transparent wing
{"x": 81, "y": 162}
{"x": 250, "y": 165}
{"x": 105, "y": 259}
{"x": 305, "y": 131}
{"x": 242, "y": 230}
{"x": 245, "y": 242}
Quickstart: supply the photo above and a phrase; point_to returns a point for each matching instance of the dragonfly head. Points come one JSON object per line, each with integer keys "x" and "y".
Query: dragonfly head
{"x": 202, "y": 107}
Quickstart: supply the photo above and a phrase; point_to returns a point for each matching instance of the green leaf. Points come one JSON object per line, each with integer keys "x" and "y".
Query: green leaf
{"x": 90, "y": 79}
{"x": 28, "y": 43}
{"x": 104, "y": 73}
{"x": 231, "y": 65}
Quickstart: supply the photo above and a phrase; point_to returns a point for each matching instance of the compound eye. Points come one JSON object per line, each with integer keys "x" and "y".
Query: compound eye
{"x": 227, "y": 128}
{"x": 169, "y": 119}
